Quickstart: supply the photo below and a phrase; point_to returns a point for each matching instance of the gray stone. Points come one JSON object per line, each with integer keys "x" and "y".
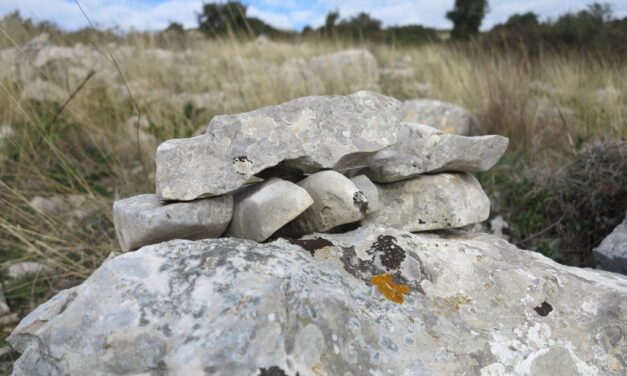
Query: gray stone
{"x": 450, "y": 303}
{"x": 74, "y": 209}
{"x": 4, "y": 308}
{"x": 309, "y": 133}
{"x": 6, "y": 132}
{"x": 144, "y": 219}
{"x": 21, "y": 269}
{"x": 425, "y": 149}
{"x": 611, "y": 254}
{"x": 447, "y": 117}
{"x": 352, "y": 70}
{"x": 261, "y": 209}
{"x": 607, "y": 95}
{"x": 431, "y": 202}
{"x": 499, "y": 227}
{"x": 44, "y": 91}
{"x": 370, "y": 191}
{"x": 336, "y": 201}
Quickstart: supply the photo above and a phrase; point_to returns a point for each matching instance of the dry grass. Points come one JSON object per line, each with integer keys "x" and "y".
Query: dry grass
{"x": 94, "y": 151}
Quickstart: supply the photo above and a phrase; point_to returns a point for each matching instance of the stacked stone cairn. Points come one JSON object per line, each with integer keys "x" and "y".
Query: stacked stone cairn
{"x": 313, "y": 164}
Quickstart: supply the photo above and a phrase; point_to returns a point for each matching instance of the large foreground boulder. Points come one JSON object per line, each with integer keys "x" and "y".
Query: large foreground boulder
{"x": 373, "y": 301}
{"x": 309, "y": 134}
{"x": 611, "y": 254}
{"x": 424, "y": 149}
{"x": 447, "y": 117}
{"x": 431, "y": 202}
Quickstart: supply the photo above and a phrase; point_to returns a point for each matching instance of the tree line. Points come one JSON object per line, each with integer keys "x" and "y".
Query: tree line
{"x": 594, "y": 27}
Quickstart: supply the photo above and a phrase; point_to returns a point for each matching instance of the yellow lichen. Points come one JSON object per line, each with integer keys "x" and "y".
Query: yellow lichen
{"x": 389, "y": 289}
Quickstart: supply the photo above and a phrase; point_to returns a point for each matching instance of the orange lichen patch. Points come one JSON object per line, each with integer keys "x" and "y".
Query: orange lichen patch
{"x": 389, "y": 289}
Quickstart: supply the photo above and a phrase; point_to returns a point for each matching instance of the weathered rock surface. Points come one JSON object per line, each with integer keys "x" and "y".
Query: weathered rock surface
{"x": 423, "y": 149}
{"x": 260, "y": 210}
{"x": 431, "y": 202}
{"x": 611, "y": 254}
{"x": 370, "y": 191}
{"x": 373, "y": 301}
{"x": 144, "y": 219}
{"x": 309, "y": 133}
{"x": 336, "y": 201}
{"x": 447, "y": 117}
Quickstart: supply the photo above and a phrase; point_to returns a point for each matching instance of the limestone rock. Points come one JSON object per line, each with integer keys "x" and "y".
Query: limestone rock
{"x": 6, "y": 132}
{"x": 336, "y": 201}
{"x": 74, "y": 208}
{"x": 262, "y": 209}
{"x": 607, "y": 95}
{"x": 373, "y": 301}
{"x": 447, "y": 117}
{"x": 20, "y": 269}
{"x": 499, "y": 228}
{"x": 355, "y": 69}
{"x": 370, "y": 191}
{"x": 431, "y": 202}
{"x": 425, "y": 149}
{"x": 309, "y": 133}
{"x": 4, "y": 308}
{"x": 611, "y": 254}
{"x": 144, "y": 219}
{"x": 44, "y": 91}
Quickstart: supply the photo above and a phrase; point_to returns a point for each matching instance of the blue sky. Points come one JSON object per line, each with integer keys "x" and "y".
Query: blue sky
{"x": 157, "y": 14}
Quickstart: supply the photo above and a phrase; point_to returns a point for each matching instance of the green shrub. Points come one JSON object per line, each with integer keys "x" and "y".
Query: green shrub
{"x": 569, "y": 213}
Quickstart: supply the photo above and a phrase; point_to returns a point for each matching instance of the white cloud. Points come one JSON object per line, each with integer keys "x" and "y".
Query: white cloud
{"x": 278, "y": 20}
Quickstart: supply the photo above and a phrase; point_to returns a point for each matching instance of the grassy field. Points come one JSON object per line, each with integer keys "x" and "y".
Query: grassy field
{"x": 567, "y": 138}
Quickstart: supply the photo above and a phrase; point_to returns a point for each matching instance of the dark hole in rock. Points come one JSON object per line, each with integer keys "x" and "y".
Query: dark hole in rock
{"x": 544, "y": 309}
{"x": 282, "y": 171}
{"x": 311, "y": 245}
{"x": 242, "y": 158}
{"x": 344, "y": 228}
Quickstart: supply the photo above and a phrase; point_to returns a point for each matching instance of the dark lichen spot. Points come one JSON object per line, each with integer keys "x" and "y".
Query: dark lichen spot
{"x": 271, "y": 371}
{"x": 242, "y": 158}
{"x": 311, "y": 245}
{"x": 360, "y": 200}
{"x": 391, "y": 254}
{"x": 544, "y": 309}
{"x": 421, "y": 222}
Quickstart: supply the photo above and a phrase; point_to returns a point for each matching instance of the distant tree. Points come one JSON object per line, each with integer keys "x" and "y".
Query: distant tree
{"x": 410, "y": 34}
{"x": 525, "y": 20}
{"x": 230, "y": 17}
{"x": 600, "y": 12}
{"x": 467, "y": 16}
{"x": 329, "y": 23}
{"x": 221, "y": 18}
{"x": 175, "y": 28}
{"x": 361, "y": 26}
